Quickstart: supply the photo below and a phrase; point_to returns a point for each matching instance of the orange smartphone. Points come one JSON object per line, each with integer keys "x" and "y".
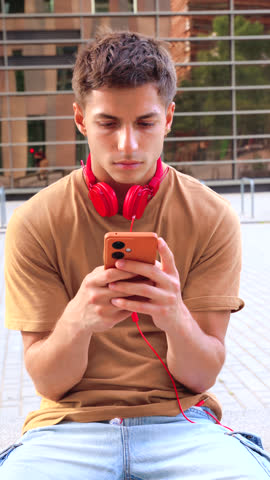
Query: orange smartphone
{"x": 140, "y": 246}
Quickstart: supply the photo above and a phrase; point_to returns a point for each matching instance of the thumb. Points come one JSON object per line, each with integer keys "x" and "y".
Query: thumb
{"x": 166, "y": 257}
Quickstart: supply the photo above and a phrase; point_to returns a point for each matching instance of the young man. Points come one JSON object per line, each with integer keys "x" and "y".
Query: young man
{"x": 109, "y": 409}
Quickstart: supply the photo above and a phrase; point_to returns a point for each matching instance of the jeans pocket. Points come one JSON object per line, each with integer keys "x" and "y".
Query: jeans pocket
{"x": 5, "y": 453}
{"x": 253, "y": 444}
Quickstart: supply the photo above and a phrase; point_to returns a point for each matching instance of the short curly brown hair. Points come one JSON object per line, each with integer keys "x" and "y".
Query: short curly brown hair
{"x": 124, "y": 59}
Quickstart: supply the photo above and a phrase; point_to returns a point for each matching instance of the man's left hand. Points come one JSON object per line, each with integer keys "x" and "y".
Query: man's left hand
{"x": 160, "y": 296}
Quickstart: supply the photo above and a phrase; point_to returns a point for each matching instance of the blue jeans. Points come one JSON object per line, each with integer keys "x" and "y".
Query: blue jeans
{"x": 143, "y": 448}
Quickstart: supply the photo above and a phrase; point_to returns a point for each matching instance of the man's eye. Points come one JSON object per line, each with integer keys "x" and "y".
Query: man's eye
{"x": 107, "y": 124}
{"x": 146, "y": 124}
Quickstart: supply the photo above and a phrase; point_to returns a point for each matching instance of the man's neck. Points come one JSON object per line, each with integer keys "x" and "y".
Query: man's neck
{"x": 121, "y": 191}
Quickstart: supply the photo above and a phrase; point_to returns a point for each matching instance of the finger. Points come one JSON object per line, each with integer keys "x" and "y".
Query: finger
{"x": 103, "y": 295}
{"x": 152, "y": 272}
{"x": 142, "y": 290}
{"x": 166, "y": 257}
{"x": 112, "y": 316}
{"x": 101, "y": 277}
{"x": 117, "y": 315}
{"x": 135, "y": 306}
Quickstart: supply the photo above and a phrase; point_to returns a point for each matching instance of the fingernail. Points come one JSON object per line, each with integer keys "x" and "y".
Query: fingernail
{"x": 120, "y": 263}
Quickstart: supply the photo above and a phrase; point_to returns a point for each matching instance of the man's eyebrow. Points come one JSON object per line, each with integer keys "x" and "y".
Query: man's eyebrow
{"x": 105, "y": 115}
{"x": 148, "y": 115}
{"x": 112, "y": 117}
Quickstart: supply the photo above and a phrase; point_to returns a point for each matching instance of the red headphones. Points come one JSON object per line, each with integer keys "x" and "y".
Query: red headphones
{"x": 104, "y": 197}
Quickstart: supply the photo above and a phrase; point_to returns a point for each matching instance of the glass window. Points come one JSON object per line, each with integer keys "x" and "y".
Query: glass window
{"x": 14, "y": 6}
{"x": 60, "y": 135}
{"x": 19, "y": 74}
{"x": 48, "y": 6}
{"x": 253, "y": 100}
{"x": 201, "y": 125}
{"x": 257, "y": 169}
{"x": 38, "y": 80}
{"x": 149, "y": 5}
{"x": 252, "y": 24}
{"x": 126, "y": 5}
{"x": 252, "y": 50}
{"x": 164, "y": 6}
{"x": 46, "y": 81}
{"x": 31, "y": 80}
{"x": 35, "y": 133}
{"x": 144, "y": 25}
{"x": 174, "y": 26}
{"x": 252, "y": 74}
{"x": 1, "y": 161}
{"x": 253, "y": 124}
{"x": 81, "y": 149}
{"x": 102, "y": 6}
{"x": 64, "y": 79}
{"x": 209, "y": 4}
{"x": 203, "y": 101}
{"x": 3, "y": 107}
{"x": 40, "y": 34}
{"x": 204, "y": 76}
{"x": 41, "y": 105}
{"x": 66, "y": 50}
{"x": 193, "y": 50}
{"x": 5, "y": 178}
{"x": 200, "y": 151}
{"x": 203, "y": 51}
{"x": 119, "y": 6}
{"x": 67, "y": 53}
{"x": 35, "y": 60}
{"x": 19, "y": 78}
{"x": 57, "y": 129}
{"x": 59, "y": 27}
{"x": 253, "y": 149}
{"x": 209, "y": 25}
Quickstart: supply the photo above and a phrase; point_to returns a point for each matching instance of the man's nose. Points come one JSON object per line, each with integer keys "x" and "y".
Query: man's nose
{"x": 127, "y": 140}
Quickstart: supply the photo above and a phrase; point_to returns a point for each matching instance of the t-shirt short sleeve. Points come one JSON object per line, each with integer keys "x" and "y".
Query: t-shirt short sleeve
{"x": 35, "y": 296}
{"x": 214, "y": 278}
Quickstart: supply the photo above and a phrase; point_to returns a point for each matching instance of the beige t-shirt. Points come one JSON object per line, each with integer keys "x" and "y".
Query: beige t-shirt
{"x": 56, "y": 238}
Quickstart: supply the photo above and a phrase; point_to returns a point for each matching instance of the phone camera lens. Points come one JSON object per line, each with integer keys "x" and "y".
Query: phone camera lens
{"x": 118, "y": 245}
{"x": 117, "y": 255}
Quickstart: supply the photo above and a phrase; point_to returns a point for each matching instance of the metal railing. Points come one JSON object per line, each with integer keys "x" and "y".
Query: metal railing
{"x": 251, "y": 182}
{"x": 3, "y": 212}
{"x": 161, "y": 13}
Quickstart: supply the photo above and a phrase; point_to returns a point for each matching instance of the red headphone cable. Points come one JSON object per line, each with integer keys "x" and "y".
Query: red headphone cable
{"x": 135, "y": 319}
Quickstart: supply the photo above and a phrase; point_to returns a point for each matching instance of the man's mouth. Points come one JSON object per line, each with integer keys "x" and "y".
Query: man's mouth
{"x": 127, "y": 164}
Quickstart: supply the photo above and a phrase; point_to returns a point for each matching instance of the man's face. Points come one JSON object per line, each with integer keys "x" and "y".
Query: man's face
{"x": 125, "y": 128}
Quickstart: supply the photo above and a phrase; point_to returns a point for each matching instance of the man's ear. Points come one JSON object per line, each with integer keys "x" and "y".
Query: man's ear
{"x": 79, "y": 118}
{"x": 169, "y": 117}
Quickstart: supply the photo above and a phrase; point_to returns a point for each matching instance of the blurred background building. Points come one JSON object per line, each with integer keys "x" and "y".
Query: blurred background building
{"x": 221, "y": 130}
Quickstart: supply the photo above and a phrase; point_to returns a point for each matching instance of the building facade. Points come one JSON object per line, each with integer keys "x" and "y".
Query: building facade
{"x": 221, "y": 130}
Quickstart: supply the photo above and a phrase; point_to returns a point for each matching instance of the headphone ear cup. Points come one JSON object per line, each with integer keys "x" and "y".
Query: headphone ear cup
{"x": 135, "y": 202}
{"x": 104, "y": 199}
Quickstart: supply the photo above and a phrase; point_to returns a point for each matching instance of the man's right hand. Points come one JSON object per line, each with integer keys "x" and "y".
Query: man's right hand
{"x": 57, "y": 360}
{"x": 91, "y": 308}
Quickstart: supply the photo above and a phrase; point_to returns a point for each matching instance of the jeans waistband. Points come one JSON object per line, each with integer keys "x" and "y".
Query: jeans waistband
{"x": 193, "y": 413}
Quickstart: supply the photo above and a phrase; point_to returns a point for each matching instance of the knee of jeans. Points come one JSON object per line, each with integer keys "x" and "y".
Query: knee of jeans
{"x": 5, "y": 453}
{"x": 254, "y": 445}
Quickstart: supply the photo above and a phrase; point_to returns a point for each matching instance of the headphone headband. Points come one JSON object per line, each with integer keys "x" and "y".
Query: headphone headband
{"x": 104, "y": 198}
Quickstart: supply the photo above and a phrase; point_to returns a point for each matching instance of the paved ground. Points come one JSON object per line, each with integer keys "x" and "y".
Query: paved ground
{"x": 243, "y": 385}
